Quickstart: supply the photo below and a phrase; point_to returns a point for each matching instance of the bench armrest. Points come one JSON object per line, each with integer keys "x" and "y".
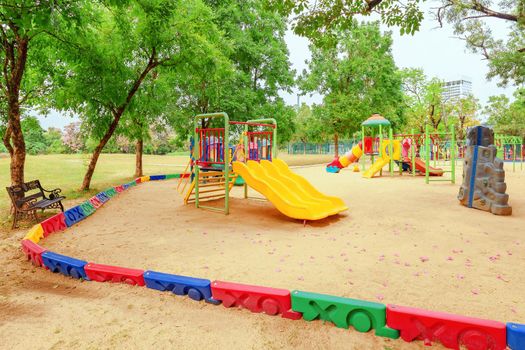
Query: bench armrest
{"x": 54, "y": 192}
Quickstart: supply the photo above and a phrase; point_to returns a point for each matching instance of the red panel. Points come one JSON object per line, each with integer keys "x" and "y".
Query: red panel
{"x": 54, "y": 224}
{"x": 33, "y": 252}
{"x": 107, "y": 273}
{"x": 119, "y": 188}
{"x": 272, "y": 301}
{"x": 451, "y": 330}
{"x": 96, "y": 202}
{"x": 138, "y": 180}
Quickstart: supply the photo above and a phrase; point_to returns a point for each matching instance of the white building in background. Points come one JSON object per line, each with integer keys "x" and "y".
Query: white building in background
{"x": 456, "y": 89}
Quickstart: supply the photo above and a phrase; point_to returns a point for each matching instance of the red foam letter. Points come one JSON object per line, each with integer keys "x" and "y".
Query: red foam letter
{"x": 54, "y": 224}
{"x": 272, "y": 301}
{"x": 107, "y": 273}
{"x": 33, "y": 252}
{"x": 451, "y": 330}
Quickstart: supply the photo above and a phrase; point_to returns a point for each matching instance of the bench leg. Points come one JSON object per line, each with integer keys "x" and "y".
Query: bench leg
{"x": 15, "y": 220}
{"x": 61, "y": 206}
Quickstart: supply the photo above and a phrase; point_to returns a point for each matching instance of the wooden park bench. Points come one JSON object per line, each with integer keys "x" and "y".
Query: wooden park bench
{"x": 30, "y": 197}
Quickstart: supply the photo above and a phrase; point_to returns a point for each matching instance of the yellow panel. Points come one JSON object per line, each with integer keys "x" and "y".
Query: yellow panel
{"x": 144, "y": 178}
{"x": 35, "y": 234}
{"x": 396, "y": 149}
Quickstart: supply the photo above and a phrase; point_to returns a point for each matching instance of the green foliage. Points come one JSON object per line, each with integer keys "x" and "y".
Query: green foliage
{"x": 33, "y": 135}
{"x": 305, "y": 130}
{"x": 357, "y": 77}
{"x": 322, "y": 20}
{"x": 114, "y": 53}
{"x": 507, "y": 117}
{"x": 247, "y": 84}
{"x": 53, "y": 140}
{"x": 506, "y": 56}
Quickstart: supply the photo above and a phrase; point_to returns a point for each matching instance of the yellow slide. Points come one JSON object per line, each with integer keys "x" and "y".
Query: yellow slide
{"x": 376, "y": 167}
{"x": 291, "y": 197}
{"x": 284, "y": 171}
{"x": 385, "y": 158}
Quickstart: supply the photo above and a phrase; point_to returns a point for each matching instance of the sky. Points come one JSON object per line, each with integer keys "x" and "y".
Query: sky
{"x": 435, "y": 50}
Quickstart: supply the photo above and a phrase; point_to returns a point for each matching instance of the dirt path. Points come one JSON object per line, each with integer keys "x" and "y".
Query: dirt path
{"x": 401, "y": 242}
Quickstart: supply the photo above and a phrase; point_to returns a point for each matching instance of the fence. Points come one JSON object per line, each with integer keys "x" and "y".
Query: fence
{"x": 319, "y": 148}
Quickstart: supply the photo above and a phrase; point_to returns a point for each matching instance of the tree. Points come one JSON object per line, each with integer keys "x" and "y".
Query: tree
{"x": 53, "y": 140}
{"x": 322, "y": 19}
{"x": 73, "y": 138}
{"x": 303, "y": 120}
{"x": 319, "y": 20}
{"x": 26, "y": 24}
{"x": 247, "y": 84}
{"x": 506, "y": 58}
{"x": 423, "y": 101}
{"x": 464, "y": 116}
{"x": 117, "y": 51}
{"x": 358, "y": 77}
{"x": 507, "y": 117}
{"x": 33, "y": 135}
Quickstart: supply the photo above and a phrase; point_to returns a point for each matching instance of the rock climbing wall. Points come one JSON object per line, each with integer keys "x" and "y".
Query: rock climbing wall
{"x": 483, "y": 174}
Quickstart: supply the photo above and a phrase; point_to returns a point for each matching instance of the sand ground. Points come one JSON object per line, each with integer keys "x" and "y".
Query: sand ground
{"x": 401, "y": 242}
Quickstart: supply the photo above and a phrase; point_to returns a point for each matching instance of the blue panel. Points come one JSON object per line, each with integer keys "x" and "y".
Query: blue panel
{"x": 157, "y": 177}
{"x": 195, "y": 288}
{"x": 74, "y": 215}
{"x": 102, "y": 197}
{"x": 472, "y": 184}
{"x": 125, "y": 186}
{"x": 64, "y": 264}
{"x": 516, "y": 336}
{"x": 332, "y": 169}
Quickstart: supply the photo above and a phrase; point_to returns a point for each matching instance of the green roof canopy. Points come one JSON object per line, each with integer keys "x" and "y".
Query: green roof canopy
{"x": 374, "y": 120}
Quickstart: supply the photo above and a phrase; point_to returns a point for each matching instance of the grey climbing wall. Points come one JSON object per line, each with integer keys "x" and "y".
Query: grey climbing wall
{"x": 483, "y": 174}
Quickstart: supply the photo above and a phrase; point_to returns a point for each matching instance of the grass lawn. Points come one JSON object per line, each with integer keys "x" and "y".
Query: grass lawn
{"x": 67, "y": 171}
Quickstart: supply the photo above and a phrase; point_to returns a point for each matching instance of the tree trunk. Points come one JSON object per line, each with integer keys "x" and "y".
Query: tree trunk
{"x": 96, "y": 153}
{"x": 18, "y": 157}
{"x": 15, "y": 58}
{"x": 7, "y": 141}
{"x": 139, "y": 147}
{"x": 117, "y": 113}
{"x": 336, "y": 144}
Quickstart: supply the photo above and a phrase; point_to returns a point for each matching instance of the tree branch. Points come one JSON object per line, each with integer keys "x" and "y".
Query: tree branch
{"x": 476, "y": 6}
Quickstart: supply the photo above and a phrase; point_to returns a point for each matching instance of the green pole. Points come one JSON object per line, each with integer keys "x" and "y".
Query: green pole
{"x": 363, "y": 146}
{"x": 427, "y": 155}
{"x": 390, "y": 147}
{"x": 514, "y": 158}
{"x": 453, "y": 153}
{"x": 246, "y": 153}
{"x": 226, "y": 145}
{"x": 380, "y": 152}
{"x": 413, "y": 149}
{"x": 274, "y": 135}
{"x": 197, "y": 154}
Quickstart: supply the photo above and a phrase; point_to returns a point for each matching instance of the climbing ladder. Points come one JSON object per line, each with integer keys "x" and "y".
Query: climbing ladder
{"x": 184, "y": 179}
{"x": 435, "y": 135}
{"x": 211, "y": 186}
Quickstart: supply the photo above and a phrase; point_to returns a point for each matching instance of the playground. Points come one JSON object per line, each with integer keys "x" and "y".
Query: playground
{"x": 354, "y": 264}
{"x": 401, "y": 242}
